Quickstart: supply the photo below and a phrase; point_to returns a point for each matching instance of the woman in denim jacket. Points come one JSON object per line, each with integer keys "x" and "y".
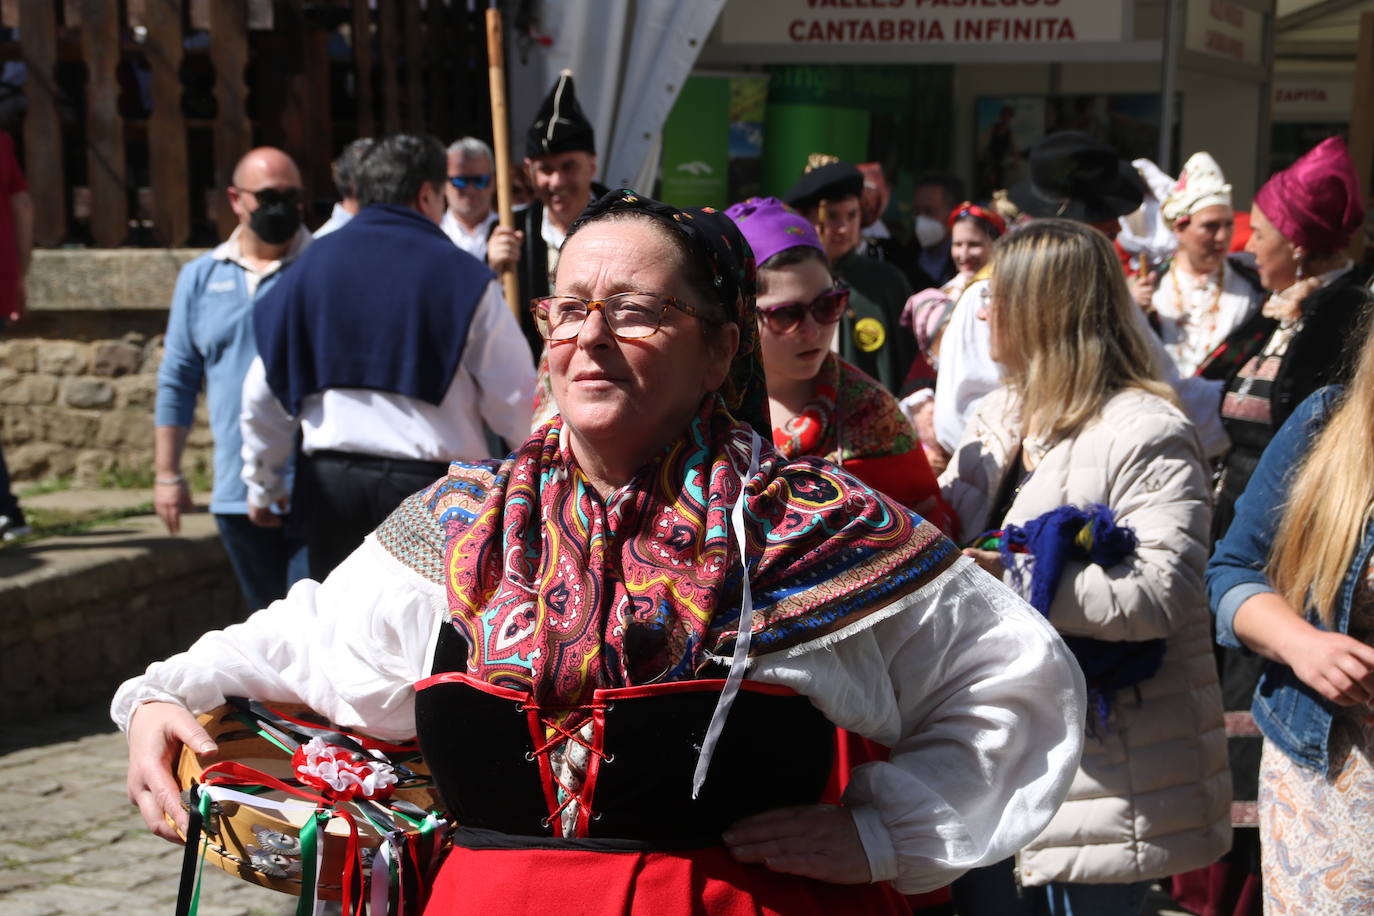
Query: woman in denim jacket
{"x": 1302, "y": 538}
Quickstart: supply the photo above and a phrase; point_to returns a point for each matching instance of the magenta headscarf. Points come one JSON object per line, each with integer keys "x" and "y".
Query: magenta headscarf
{"x": 1316, "y": 202}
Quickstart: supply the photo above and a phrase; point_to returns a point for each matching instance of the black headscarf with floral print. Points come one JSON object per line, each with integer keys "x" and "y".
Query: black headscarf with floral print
{"x": 715, "y": 243}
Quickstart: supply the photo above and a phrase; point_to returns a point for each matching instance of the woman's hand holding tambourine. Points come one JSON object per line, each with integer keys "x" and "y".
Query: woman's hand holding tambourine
{"x": 156, "y": 732}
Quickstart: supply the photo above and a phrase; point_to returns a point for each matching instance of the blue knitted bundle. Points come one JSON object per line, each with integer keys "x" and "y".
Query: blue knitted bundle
{"x": 1089, "y": 534}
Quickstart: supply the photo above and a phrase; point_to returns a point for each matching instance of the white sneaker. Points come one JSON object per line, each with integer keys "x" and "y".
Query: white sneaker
{"x": 9, "y": 531}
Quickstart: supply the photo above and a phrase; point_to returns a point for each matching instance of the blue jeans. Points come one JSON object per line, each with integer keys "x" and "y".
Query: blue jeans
{"x": 266, "y": 560}
{"x": 1096, "y": 899}
{"x": 992, "y": 891}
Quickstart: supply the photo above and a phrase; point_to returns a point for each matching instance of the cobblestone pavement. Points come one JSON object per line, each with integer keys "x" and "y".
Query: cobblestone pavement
{"x": 73, "y": 844}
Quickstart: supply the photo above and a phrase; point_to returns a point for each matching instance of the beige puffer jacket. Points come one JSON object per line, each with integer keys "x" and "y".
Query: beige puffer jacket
{"x": 1153, "y": 793}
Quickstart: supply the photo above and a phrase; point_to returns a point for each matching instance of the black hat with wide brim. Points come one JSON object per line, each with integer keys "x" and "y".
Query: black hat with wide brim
{"x": 834, "y": 181}
{"x": 1073, "y": 176}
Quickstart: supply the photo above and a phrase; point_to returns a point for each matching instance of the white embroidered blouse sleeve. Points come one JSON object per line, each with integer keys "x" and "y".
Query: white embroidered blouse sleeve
{"x": 983, "y": 708}
{"x": 349, "y": 647}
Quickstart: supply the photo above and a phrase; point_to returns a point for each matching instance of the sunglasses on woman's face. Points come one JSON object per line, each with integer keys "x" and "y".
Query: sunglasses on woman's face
{"x": 825, "y": 309}
{"x": 476, "y": 181}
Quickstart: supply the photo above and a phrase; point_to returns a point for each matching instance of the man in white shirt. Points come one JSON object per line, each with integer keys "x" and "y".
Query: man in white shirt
{"x": 470, "y": 191}
{"x": 388, "y": 350}
{"x": 346, "y": 183}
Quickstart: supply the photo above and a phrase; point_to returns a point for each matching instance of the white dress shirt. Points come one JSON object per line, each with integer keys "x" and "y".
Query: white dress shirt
{"x": 474, "y": 242}
{"x": 979, "y": 699}
{"x": 494, "y": 383}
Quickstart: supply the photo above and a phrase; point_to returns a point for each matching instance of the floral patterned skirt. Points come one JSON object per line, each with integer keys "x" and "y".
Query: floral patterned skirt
{"x": 1317, "y": 829}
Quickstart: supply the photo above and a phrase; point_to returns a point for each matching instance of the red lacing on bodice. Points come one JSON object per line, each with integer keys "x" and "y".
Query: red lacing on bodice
{"x": 555, "y": 720}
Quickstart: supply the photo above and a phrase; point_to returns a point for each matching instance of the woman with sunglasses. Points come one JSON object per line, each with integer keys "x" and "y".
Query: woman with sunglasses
{"x": 822, "y": 405}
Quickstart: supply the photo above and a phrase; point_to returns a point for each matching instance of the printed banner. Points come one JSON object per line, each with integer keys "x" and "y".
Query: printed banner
{"x": 927, "y": 22}
{"x": 696, "y": 145}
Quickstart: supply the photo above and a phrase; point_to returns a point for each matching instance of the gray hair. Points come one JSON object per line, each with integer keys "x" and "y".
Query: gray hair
{"x": 346, "y": 167}
{"x": 471, "y": 146}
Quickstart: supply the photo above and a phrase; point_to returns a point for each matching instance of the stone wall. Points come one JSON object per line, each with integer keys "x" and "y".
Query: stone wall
{"x": 78, "y": 375}
{"x": 80, "y": 613}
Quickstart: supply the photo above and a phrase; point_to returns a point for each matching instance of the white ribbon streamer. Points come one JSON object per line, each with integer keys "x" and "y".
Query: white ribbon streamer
{"x": 742, "y": 637}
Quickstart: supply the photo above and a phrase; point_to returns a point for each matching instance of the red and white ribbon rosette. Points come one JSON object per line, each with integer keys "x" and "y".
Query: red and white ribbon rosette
{"x": 342, "y": 774}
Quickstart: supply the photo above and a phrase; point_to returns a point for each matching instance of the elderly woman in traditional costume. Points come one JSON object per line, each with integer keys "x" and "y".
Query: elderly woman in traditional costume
{"x": 1202, "y": 297}
{"x": 821, "y": 404}
{"x": 1094, "y": 486}
{"x": 569, "y": 632}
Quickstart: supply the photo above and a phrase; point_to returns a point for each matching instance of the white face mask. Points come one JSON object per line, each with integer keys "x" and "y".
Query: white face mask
{"x": 929, "y": 232}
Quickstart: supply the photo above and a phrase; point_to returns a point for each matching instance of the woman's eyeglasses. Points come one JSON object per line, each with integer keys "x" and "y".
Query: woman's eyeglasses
{"x": 825, "y": 309}
{"x": 630, "y": 316}
{"x": 482, "y": 182}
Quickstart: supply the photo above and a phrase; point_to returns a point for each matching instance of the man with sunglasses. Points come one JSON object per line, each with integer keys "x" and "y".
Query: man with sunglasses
{"x": 209, "y": 343}
{"x": 471, "y": 188}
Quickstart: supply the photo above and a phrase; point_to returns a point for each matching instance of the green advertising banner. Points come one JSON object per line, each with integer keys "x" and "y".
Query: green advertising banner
{"x": 696, "y": 145}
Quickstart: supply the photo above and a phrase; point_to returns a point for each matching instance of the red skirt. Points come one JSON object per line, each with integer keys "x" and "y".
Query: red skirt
{"x": 697, "y": 882}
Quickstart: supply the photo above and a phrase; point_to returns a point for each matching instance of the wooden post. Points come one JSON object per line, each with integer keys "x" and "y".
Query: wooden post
{"x": 362, "y": 67}
{"x": 105, "y": 166}
{"x": 42, "y": 130}
{"x": 389, "y": 50}
{"x": 233, "y": 132}
{"x": 415, "y": 68}
{"x": 306, "y": 125}
{"x": 439, "y": 31}
{"x": 500, "y": 136}
{"x": 167, "y": 157}
{"x": 1361, "y": 124}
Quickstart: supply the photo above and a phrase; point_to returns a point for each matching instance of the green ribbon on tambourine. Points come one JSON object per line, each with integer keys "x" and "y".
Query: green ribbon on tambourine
{"x": 397, "y": 864}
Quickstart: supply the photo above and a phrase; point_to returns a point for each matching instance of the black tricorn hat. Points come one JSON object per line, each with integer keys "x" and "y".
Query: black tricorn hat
{"x": 832, "y": 181}
{"x": 1076, "y": 177}
{"x": 560, "y": 126}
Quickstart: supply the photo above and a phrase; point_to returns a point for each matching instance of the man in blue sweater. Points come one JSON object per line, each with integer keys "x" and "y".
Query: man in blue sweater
{"x": 388, "y": 349}
{"x": 210, "y": 342}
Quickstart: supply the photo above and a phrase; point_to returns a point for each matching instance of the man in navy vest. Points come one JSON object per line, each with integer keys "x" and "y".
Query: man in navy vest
{"x": 388, "y": 348}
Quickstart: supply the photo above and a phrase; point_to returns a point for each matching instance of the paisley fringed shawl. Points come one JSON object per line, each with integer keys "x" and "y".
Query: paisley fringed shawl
{"x": 560, "y": 593}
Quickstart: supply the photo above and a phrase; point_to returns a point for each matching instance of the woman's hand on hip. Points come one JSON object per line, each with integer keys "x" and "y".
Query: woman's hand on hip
{"x": 156, "y": 733}
{"x": 815, "y": 841}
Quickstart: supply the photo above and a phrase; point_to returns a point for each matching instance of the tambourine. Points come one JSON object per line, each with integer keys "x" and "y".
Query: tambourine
{"x": 294, "y": 804}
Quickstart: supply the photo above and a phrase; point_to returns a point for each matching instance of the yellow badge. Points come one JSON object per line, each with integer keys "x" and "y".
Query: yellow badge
{"x": 869, "y": 334}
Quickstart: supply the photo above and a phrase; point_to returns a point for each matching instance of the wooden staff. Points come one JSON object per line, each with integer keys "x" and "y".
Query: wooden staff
{"x": 500, "y": 136}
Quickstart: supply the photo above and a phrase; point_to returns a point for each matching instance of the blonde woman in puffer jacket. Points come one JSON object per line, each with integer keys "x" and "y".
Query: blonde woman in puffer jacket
{"x": 1081, "y": 421}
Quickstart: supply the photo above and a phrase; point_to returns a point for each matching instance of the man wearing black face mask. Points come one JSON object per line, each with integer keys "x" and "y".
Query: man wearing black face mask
{"x": 210, "y": 341}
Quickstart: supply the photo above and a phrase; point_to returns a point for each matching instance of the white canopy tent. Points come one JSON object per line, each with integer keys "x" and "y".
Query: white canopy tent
{"x": 629, "y": 59}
